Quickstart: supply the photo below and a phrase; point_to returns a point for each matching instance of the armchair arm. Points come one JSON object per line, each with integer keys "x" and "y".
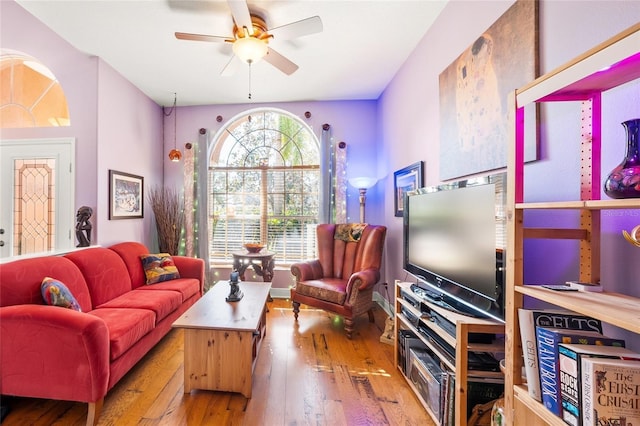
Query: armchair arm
{"x": 362, "y": 280}
{"x": 52, "y": 352}
{"x": 304, "y": 271}
{"x": 191, "y": 267}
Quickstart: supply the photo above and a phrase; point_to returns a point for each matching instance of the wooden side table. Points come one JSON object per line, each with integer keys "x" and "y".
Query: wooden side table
{"x": 262, "y": 263}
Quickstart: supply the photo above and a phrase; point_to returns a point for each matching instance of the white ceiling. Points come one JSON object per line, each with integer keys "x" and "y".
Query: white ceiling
{"x": 362, "y": 46}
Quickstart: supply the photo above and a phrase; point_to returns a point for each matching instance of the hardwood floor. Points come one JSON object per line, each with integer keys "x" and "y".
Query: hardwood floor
{"x": 307, "y": 373}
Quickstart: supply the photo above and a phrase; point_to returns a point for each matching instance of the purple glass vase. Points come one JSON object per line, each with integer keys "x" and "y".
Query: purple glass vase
{"x": 624, "y": 180}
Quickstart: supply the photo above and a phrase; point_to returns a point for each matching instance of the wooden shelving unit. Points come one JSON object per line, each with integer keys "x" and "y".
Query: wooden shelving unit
{"x": 606, "y": 66}
{"x": 465, "y": 325}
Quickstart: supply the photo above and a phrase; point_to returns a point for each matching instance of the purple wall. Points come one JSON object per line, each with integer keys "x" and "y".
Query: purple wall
{"x": 77, "y": 74}
{"x": 351, "y": 121}
{"x": 115, "y": 125}
{"x": 409, "y": 111}
{"x": 118, "y": 127}
{"x": 129, "y": 140}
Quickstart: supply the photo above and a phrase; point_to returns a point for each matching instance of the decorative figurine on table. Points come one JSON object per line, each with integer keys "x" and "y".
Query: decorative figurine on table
{"x": 235, "y": 293}
{"x": 83, "y": 226}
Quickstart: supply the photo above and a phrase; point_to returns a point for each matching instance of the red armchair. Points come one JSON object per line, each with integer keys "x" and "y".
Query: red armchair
{"x": 342, "y": 279}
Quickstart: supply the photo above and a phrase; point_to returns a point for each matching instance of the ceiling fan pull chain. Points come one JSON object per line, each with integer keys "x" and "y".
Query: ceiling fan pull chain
{"x": 250, "y": 61}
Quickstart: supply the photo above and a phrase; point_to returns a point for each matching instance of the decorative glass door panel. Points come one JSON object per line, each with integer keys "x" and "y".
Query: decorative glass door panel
{"x": 36, "y": 193}
{"x": 34, "y": 205}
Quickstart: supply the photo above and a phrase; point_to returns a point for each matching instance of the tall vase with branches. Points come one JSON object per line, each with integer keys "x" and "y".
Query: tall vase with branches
{"x": 168, "y": 209}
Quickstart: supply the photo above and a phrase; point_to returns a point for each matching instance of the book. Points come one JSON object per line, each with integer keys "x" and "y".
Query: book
{"x": 450, "y": 419}
{"x": 582, "y": 286}
{"x": 407, "y": 341}
{"x": 529, "y": 319}
{"x": 610, "y": 392}
{"x": 481, "y": 390}
{"x": 428, "y": 379}
{"x": 570, "y": 357}
{"x": 549, "y": 340}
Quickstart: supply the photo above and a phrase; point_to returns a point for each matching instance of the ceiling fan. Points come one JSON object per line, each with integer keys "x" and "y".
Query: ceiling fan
{"x": 250, "y": 38}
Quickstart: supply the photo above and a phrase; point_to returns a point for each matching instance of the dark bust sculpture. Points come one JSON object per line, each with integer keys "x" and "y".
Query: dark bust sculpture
{"x": 83, "y": 226}
{"x": 235, "y": 293}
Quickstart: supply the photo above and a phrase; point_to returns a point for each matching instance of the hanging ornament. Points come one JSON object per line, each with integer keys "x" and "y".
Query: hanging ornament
{"x": 174, "y": 155}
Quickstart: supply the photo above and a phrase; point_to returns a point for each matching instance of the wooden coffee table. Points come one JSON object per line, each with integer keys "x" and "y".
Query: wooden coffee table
{"x": 222, "y": 339}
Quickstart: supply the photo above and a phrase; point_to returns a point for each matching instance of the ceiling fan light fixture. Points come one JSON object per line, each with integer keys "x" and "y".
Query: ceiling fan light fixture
{"x": 250, "y": 49}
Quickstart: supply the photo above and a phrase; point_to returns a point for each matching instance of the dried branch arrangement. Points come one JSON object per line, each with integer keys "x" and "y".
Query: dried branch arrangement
{"x": 168, "y": 209}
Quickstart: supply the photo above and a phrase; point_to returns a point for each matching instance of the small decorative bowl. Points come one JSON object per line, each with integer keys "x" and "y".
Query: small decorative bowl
{"x": 254, "y": 247}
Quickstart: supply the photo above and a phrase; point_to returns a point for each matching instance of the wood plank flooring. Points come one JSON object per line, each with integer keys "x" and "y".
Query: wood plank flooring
{"x": 307, "y": 373}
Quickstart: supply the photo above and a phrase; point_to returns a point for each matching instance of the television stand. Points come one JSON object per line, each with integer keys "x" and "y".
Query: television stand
{"x": 432, "y": 296}
{"x": 437, "y": 299}
{"x": 451, "y": 350}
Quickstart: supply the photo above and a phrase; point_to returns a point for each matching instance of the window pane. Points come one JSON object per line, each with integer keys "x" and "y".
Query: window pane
{"x": 294, "y": 181}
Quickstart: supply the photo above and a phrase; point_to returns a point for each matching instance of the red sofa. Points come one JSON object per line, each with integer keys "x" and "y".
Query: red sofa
{"x": 57, "y": 353}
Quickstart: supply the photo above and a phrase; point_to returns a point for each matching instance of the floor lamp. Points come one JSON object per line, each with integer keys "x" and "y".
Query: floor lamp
{"x": 362, "y": 183}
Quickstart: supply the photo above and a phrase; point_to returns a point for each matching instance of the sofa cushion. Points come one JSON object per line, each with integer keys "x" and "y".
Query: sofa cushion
{"x": 126, "y": 327}
{"x": 104, "y": 271}
{"x": 29, "y": 274}
{"x": 130, "y": 252}
{"x": 56, "y": 293}
{"x": 187, "y": 287}
{"x": 331, "y": 290}
{"x": 161, "y": 302}
{"x": 159, "y": 267}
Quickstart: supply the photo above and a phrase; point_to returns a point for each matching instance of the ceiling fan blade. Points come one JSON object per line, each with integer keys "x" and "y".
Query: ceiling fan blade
{"x": 201, "y": 37}
{"x": 297, "y": 29}
{"x": 280, "y": 62}
{"x": 231, "y": 67}
{"x": 241, "y": 15}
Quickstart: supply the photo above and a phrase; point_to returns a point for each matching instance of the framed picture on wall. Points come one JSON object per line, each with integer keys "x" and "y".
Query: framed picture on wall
{"x": 126, "y": 195}
{"x": 474, "y": 88}
{"x": 406, "y": 180}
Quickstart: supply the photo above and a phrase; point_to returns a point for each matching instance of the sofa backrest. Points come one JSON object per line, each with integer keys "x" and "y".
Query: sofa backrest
{"x": 130, "y": 253}
{"x": 104, "y": 271}
{"x": 20, "y": 280}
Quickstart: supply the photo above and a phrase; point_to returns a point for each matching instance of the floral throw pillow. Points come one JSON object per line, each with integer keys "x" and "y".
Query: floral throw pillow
{"x": 159, "y": 267}
{"x": 56, "y": 293}
{"x": 349, "y": 232}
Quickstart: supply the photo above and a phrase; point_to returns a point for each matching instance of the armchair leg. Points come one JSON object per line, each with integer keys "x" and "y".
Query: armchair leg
{"x": 371, "y": 319}
{"x": 296, "y": 309}
{"x": 348, "y": 327}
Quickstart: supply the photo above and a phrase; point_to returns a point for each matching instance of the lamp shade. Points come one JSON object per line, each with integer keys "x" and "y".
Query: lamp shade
{"x": 250, "y": 49}
{"x": 362, "y": 182}
{"x": 175, "y": 155}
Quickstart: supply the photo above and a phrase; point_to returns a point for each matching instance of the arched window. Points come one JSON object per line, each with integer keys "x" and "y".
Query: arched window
{"x": 264, "y": 186}
{"x": 31, "y": 94}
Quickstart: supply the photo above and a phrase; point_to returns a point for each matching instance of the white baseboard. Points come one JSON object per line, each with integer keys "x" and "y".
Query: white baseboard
{"x": 384, "y": 303}
{"x": 280, "y": 293}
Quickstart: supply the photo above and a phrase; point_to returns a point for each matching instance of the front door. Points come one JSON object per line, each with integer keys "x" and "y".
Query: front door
{"x": 36, "y": 196}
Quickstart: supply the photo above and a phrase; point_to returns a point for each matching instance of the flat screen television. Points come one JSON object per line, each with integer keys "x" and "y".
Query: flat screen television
{"x": 454, "y": 244}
